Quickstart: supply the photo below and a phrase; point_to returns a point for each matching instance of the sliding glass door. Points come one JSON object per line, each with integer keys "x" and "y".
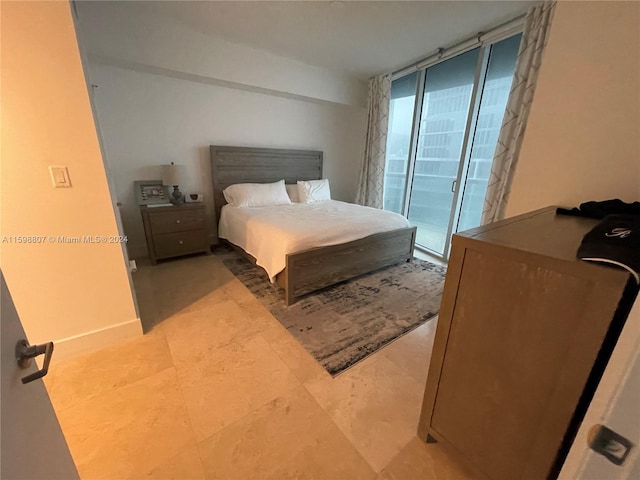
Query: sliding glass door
{"x": 495, "y": 93}
{"x": 401, "y": 108}
{"x": 442, "y": 136}
{"x": 443, "y": 123}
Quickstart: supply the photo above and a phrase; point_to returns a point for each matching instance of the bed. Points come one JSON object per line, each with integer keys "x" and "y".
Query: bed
{"x": 309, "y": 269}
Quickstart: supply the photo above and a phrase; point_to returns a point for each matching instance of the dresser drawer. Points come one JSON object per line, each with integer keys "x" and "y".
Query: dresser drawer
{"x": 181, "y": 243}
{"x": 178, "y": 221}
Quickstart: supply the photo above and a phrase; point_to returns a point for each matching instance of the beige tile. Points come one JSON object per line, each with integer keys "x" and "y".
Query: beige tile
{"x": 294, "y": 355}
{"x": 225, "y": 383}
{"x": 256, "y": 311}
{"x": 375, "y": 404}
{"x": 229, "y": 289}
{"x": 419, "y": 460}
{"x": 301, "y": 363}
{"x": 129, "y": 430}
{"x": 82, "y": 378}
{"x": 127, "y": 413}
{"x": 412, "y": 352}
{"x": 164, "y": 305}
{"x": 289, "y": 438}
{"x": 193, "y": 335}
{"x": 206, "y": 301}
{"x": 180, "y": 285}
{"x": 235, "y": 289}
{"x": 184, "y": 466}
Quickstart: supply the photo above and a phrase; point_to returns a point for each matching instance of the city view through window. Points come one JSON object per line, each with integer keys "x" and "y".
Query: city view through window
{"x": 435, "y": 164}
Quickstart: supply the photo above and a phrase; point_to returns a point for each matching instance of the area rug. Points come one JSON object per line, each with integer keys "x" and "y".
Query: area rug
{"x": 342, "y": 324}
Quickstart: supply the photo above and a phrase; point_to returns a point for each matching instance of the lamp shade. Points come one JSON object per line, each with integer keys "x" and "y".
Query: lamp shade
{"x": 172, "y": 174}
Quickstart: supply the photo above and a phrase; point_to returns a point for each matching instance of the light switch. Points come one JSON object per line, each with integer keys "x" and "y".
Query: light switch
{"x": 60, "y": 176}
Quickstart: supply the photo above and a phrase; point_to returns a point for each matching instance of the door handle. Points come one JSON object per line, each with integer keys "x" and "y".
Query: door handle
{"x": 453, "y": 186}
{"x": 24, "y": 354}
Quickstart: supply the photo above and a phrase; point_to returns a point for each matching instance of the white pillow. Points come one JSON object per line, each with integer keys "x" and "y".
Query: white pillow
{"x": 314, "y": 191}
{"x": 256, "y": 194}
{"x": 292, "y": 191}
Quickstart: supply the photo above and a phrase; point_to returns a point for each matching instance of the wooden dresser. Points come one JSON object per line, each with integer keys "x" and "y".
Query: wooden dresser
{"x": 175, "y": 230}
{"x": 524, "y": 333}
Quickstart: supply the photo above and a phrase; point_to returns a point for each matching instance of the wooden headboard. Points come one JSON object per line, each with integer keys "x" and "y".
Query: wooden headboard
{"x": 231, "y": 165}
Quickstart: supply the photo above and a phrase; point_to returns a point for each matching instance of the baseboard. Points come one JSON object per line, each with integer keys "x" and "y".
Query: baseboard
{"x": 96, "y": 339}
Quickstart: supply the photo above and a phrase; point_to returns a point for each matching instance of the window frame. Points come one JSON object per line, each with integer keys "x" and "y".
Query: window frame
{"x": 471, "y": 129}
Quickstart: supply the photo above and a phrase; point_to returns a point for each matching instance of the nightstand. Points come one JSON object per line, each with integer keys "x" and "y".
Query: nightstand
{"x": 176, "y": 230}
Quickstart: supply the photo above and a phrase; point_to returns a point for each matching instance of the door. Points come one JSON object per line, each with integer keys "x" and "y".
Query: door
{"x": 444, "y": 123}
{"x": 616, "y": 406}
{"x": 31, "y": 440}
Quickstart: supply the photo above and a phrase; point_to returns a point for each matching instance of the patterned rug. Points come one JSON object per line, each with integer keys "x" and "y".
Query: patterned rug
{"x": 342, "y": 324}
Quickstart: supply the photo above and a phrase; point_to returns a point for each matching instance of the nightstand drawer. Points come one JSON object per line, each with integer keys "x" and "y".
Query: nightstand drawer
{"x": 182, "y": 243}
{"x": 178, "y": 221}
{"x": 176, "y": 230}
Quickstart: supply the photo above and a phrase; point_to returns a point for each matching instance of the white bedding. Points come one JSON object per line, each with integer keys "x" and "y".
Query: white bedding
{"x": 270, "y": 233}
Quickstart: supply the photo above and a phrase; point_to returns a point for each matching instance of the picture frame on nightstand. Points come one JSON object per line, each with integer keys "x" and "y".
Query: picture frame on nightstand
{"x": 151, "y": 192}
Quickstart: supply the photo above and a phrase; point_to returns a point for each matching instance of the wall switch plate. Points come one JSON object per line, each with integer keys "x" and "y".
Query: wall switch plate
{"x": 60, "y": 177}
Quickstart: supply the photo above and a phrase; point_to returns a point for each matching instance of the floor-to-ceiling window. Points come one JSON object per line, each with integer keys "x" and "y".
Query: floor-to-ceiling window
{"x": 443, "y": 128}
{"x": 403, "y": 97}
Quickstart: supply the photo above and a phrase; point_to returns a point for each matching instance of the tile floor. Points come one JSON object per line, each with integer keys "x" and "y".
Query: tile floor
{"x": 217, "y": 389}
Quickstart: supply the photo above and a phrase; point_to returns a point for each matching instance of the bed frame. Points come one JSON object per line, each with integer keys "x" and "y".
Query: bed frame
{"x": 308, "y": 270}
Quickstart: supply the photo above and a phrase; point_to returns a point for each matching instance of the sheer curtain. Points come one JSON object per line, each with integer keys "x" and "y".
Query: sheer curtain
{"x": 371, "y": 184}
{"x": 534, "y": 39}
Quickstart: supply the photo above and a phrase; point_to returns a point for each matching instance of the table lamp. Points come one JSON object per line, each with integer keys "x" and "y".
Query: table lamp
{"x": 173, "y": 175}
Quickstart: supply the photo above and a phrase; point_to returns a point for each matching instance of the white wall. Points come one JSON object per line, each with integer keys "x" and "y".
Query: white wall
{"x": 150, "y": 119}
{"x": 166, "y": 92}
{"x": 77, "y": 295}
{"x": 133, "y": 34}
{"x": 582, "y": 138}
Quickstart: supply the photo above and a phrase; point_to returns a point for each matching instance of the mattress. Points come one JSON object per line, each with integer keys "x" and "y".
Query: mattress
{"x": 270, "y": 233}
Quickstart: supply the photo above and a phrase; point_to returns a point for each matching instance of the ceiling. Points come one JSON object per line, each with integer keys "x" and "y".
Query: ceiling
{"x": 360, "y": 38}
